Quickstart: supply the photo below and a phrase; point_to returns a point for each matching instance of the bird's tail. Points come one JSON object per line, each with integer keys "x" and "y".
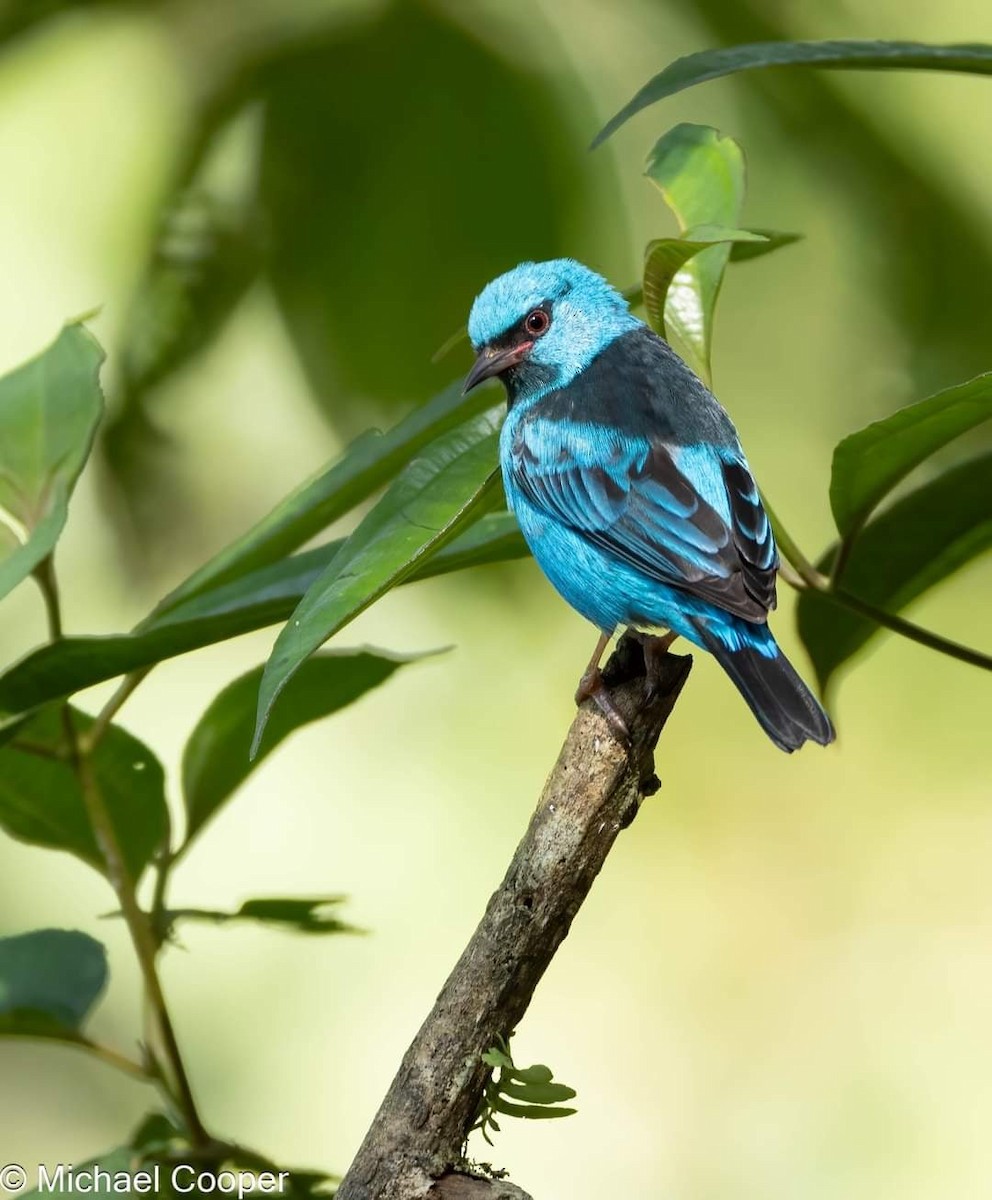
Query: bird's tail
{"x": 788, "y": 711}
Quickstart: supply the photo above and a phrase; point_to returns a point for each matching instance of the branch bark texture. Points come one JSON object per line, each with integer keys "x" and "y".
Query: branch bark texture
{"x": 414, "y": 1146}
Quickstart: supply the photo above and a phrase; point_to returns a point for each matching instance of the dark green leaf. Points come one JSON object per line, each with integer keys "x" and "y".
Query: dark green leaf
{"x": 773, "y": 240}
{"x": 851, "y": 55}
{"x": 537, "y": 1093}
{"x": 365, "y": 466}
{"x": 49, "y": 411}
{"x": 918, "y": 542}
{"x": 216, "y": 762}
{"x": 157, "y": 1132}
{"x": 931, "y": 260}
{"x": 869, "y": 463}
{"x": 531, "y": 1112}
{"x": 494, "y": 538}
{"x": 262, "y": 598}
{"x": 366, "y": 311}
{"x": 701, "y": 176}
{"x": 49, "y": 981}
{"x": 434, "y": 499}
{"x": 665, "y": 257}
{"x": 313, "y": 915}
{"x": 41, "y": 801}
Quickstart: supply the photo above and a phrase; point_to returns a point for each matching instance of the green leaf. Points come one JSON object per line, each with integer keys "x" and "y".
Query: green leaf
{"x": 494, "y": 1057}
{"x": 686, "y": 72}
{"x": 365, "y": 466}
{"x": 216, "y": 762}
{"x": 869, "y": 463}
{"x": 265, "y": 597}
{"x": 921, "y": 540}
{"x": 436, "y": 497}
{"x": 49, "y": 981}
{"x": 538, "y": 1073}
{"x": 303, "y": 915}
{"x": 772, "y": 240}
{"x": 537, "y": 1093}
{"x": 665, "y": 257}
{"x": 531, "y": 1112}
{"x": 880, "y": 184}
{"x": 701, "y": 176}
{"x": 365, "y": 312}
{"x": 156, "y": 1133}
{"x": 41, "y": 801}
{"x": 49, "y": 411}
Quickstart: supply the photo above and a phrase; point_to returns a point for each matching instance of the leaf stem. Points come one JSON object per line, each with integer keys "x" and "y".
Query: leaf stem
{"x": 139, "y": 927}
{"x": 844, "y": 548}
{"x": 44, "y": 574}
{"x": 92, "y": 737}
{"x": 163, "y": 865}
{"x": 807, "y": 572}
{"x": 810, "y": 577}
{"x": 908, "y": 630}
{"x": 121, "y": 1062}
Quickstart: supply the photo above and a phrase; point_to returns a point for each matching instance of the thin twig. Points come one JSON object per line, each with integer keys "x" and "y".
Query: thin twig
{"x": 142, "y": 936}
{"x": 791, "y": 552}
{"x": 807, "y": 577}
{"x": 908, "y": 630}
{"x": 102, "y": 722}
{"x": 44, "y": 575}
{"x": 120, "y": 1062}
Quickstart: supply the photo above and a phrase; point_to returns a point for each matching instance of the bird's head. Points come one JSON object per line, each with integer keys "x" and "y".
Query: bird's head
{"x": 539, "y": 325}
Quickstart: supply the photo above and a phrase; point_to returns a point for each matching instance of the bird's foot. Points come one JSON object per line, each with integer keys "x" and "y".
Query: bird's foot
{"x": 655, "y": 649}
{"x": 591, "y": 686}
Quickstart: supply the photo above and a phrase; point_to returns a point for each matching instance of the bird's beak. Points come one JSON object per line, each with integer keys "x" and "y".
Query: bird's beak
{"x": 492, "y": 361}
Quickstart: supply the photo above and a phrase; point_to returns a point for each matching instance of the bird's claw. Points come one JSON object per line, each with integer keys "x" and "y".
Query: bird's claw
{"x": 612, "y": 715}
{"x": 591, "y": 686}
{"x": 655, "y": 649}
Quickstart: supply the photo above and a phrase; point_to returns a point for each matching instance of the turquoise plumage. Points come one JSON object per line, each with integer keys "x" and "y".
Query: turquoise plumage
{"x": 630, "y": 485}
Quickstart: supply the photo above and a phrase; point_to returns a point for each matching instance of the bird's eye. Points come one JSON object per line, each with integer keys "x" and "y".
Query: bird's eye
{"x": 537, "y": 322}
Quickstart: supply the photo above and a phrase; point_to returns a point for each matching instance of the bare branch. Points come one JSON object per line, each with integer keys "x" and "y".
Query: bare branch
{"x": 468, "y": 1187}
{"x": 593, "y": 792}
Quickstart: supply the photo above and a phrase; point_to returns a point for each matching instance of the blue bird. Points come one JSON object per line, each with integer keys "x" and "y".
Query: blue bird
{"x": 630, "y": 486}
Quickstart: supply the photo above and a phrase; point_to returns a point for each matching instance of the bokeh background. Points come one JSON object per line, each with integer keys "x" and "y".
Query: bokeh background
{"x": 780, "y": 986}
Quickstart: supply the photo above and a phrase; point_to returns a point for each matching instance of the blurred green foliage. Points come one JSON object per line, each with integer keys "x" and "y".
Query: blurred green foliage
{"x": 930, "y": 258}
{"x": 390, "y": 160}
{"x": 379, "y": 211}
{"x": 363, "y": 215}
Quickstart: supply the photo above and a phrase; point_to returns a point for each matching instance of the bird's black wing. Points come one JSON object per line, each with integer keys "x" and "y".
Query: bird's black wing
{"x": 639, "y": 457}
{"x": 636, "y": 504}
